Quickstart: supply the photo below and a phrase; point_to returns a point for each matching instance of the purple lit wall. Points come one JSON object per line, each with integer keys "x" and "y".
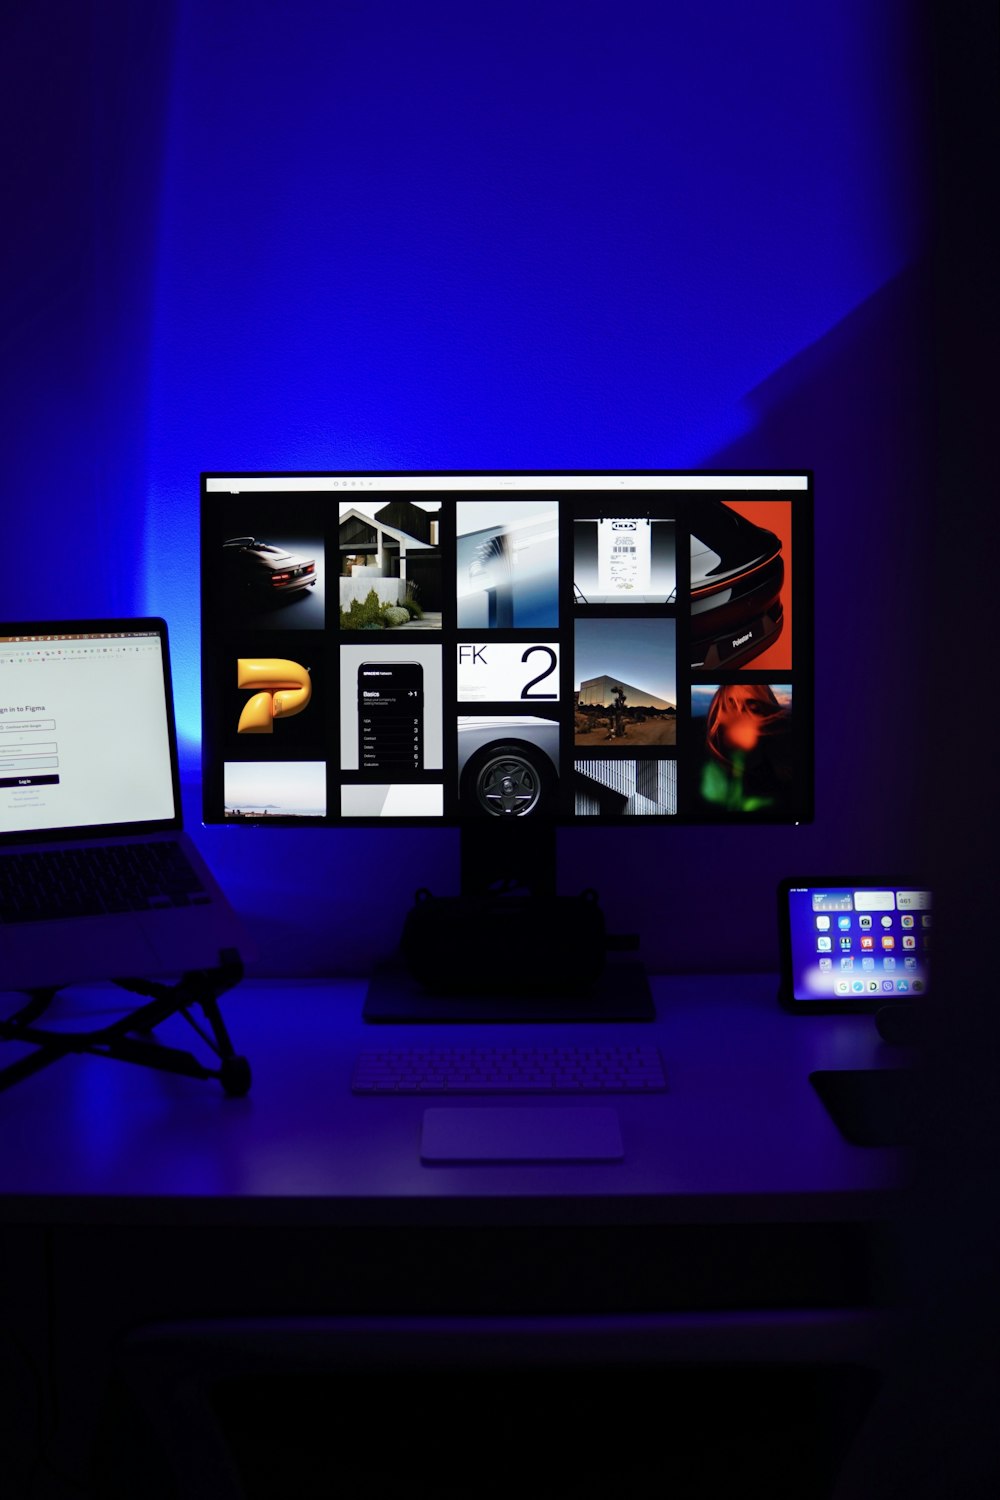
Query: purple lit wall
{"x": 542, "y": 234}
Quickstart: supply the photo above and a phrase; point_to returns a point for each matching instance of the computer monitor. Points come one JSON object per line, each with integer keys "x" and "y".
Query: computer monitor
{"x": 507, "y": 652}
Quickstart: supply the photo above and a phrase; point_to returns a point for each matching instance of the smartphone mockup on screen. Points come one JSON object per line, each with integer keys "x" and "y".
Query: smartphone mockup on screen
{"x": 853, "y": 944}
{"x": 391, "y": 716}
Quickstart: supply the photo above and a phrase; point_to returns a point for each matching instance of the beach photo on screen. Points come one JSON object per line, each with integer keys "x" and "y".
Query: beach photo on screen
{"x": 275, "y": 789}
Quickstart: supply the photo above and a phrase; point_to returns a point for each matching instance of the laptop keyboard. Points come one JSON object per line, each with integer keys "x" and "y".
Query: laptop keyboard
{"x": 511, "y": 1070}
{"x": 94, "y": 881}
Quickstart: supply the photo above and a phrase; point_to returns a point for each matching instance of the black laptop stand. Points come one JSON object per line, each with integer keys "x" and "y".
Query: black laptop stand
{"x": 129, "y": 1039}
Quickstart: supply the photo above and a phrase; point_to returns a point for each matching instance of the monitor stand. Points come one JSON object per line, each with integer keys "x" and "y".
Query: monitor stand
{"x": 508, "y": 948}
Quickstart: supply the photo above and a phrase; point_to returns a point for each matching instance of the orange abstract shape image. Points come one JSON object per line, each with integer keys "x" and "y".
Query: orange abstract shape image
{"x": 740, "y": 715}
{"x": 750, "y": 763}
{"x": 280, "y": 689}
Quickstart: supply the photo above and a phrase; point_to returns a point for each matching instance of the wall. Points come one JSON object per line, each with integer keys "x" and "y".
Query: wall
{"x": 537, "y": 235}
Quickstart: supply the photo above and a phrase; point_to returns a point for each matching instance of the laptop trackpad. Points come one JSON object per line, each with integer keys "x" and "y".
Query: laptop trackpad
{"x": 590, "y": 1133}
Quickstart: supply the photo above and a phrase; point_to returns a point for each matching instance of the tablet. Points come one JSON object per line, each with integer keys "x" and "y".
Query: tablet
{"x": 853, "y": 944}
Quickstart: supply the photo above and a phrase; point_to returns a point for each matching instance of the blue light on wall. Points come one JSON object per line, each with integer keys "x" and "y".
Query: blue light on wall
{"x": 384, "y": 235}
{"x": 548, "y": 235}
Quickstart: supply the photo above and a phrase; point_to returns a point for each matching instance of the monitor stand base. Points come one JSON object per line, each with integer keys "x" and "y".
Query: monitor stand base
{"x": 622, "y": 993}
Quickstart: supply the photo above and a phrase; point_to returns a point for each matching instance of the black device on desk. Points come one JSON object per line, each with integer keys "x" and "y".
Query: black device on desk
{"x": 587, "y": 649}
{"x": 860, "y": 945}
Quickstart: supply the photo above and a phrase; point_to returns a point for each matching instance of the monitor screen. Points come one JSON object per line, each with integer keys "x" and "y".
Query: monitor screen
{"x": 582, "y": 648}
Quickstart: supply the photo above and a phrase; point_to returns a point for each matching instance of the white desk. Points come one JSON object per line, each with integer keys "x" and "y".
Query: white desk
{"x": 133, "y": 1197}
{"x": 739, "y": 1136}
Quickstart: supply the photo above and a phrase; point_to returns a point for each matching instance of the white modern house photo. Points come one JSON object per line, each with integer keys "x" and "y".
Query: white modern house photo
{"x": 394, "y": 550}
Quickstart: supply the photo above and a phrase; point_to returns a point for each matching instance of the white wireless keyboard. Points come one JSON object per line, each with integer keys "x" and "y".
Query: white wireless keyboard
{"x": 511, "y": 1070}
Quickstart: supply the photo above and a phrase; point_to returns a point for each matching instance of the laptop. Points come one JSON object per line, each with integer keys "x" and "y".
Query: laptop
{"x": 98, "y": 879}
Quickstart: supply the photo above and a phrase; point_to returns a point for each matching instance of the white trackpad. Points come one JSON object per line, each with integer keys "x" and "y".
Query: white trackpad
{"x": 588, "y": 1133}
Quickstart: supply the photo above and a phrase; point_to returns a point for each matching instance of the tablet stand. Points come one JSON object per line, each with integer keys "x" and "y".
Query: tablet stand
{"x": 129, "y": 1038}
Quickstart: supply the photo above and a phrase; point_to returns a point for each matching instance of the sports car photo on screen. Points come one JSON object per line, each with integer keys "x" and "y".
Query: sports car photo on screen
{"x": 737, "y": 574}
{"x": 261, "y": 571}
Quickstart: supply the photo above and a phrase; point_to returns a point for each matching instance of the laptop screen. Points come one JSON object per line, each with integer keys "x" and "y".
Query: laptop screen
{"x": 86, "y": 741}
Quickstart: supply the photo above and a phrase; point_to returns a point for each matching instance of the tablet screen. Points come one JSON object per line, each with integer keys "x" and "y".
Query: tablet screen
{"x": 857, "y": 943}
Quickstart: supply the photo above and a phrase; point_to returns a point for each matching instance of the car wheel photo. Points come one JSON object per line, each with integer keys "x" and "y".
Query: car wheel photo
{"x": 507, "y": 780}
